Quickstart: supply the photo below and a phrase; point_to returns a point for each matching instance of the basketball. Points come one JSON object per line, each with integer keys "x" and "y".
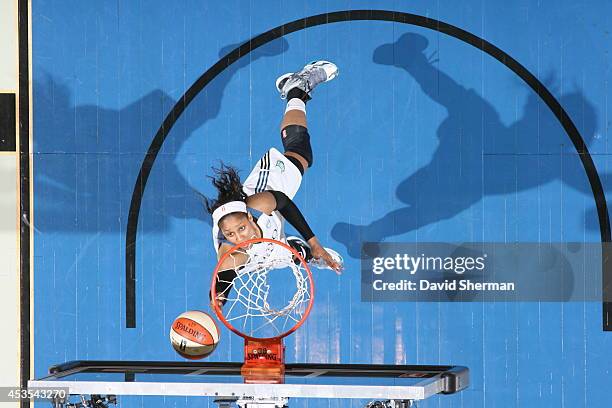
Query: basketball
{"x": 194, "y": 334}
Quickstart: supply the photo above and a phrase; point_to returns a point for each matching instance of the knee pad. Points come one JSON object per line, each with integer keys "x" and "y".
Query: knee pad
{"x": 297, "y": 140}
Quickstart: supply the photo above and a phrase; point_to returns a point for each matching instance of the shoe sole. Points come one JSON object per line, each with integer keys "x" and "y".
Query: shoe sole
{"x": 281, "y": 79}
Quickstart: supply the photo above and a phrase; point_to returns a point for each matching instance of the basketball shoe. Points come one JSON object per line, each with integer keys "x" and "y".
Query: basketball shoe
{"x": 304, "y": 250}
{"x": 308, "y": 78}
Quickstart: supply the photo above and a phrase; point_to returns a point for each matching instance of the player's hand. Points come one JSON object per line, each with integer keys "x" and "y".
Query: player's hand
{"x": 318, "y": 252}
{"x": 218, "y": 302}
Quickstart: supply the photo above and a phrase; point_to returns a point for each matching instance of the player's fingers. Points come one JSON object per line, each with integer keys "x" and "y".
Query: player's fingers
{"x": 333, "y": 264}
{"x": 338, "y": 268}
{"x": 218, "y": 301}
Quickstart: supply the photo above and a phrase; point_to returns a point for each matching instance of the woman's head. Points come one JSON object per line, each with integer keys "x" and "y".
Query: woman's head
{"x": 229, "y": 210}
{"x": 238, "y": 227}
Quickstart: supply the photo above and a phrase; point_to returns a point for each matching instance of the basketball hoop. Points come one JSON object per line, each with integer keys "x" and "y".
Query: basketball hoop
{"x": 268, "y": 295}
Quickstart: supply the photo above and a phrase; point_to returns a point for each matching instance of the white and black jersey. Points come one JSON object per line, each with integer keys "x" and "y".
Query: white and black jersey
{"x": 272, "y": 172}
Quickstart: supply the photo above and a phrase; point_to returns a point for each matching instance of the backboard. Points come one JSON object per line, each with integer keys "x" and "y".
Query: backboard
{"x": 393, "y": 385}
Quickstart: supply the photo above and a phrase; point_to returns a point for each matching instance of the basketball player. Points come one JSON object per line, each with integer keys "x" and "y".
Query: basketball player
{"x": 272, "y": 184}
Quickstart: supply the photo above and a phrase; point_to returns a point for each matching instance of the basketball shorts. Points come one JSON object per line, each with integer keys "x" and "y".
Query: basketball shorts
{"x": 273, "y": 171}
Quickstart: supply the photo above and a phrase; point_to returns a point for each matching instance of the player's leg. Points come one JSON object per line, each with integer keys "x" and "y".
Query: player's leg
{"x": 296, "y": 88}
{"x": 294, "y": 134}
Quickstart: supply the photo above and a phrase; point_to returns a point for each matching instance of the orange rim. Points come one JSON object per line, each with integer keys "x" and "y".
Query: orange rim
{"x": 213, "y": 290}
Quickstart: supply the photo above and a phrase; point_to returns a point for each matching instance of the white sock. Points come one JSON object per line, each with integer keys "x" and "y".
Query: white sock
{"x": 296, "y": 104}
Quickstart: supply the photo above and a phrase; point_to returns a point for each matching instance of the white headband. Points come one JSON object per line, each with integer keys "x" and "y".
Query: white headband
{"x": 228, "y": 208}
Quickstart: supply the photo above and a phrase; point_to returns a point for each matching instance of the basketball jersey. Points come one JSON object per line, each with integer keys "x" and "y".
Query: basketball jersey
{"x": 272, "y": 172}
{"x": 272, "y": 227}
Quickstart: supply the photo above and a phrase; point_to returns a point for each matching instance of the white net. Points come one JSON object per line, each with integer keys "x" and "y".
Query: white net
{"x": 266, "y": 292}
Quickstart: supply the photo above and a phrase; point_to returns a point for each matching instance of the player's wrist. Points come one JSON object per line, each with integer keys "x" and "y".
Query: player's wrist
{"x": 314, "y": 243}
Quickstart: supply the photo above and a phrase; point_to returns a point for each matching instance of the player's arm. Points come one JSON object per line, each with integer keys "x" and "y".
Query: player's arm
{"x": 235, "y": 260}
{"x": 269, "y": 201}
{"x": 226, "y": 273}
{"x": 263, "y": 202}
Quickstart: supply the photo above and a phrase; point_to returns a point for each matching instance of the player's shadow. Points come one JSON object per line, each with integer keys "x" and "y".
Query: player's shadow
{"x": 477, "y": 154}
{"x": 87, "y": 157}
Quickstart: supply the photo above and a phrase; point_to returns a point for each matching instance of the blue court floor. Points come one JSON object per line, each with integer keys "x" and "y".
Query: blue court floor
{"x": 422, "y": 138}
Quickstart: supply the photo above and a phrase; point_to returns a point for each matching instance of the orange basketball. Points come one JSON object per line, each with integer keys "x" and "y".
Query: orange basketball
{"x": 194, "y": 334}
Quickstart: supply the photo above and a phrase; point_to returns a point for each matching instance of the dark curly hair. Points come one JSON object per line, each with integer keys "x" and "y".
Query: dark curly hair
{"x": 227, "y": 182}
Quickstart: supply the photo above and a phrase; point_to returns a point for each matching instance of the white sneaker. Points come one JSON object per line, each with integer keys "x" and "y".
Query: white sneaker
{"x": 308, "y": 78}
